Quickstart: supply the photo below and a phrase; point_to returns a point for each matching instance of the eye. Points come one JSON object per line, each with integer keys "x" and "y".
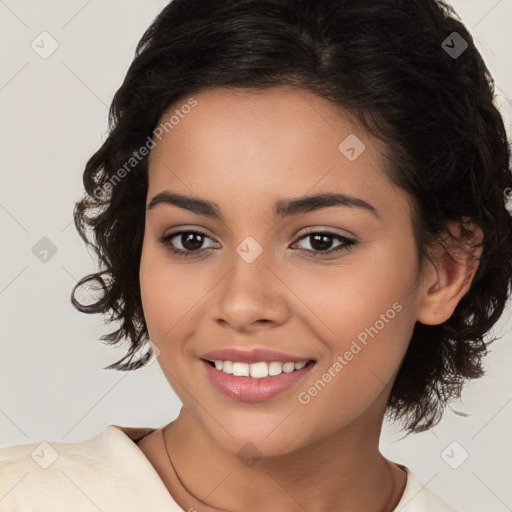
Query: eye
{"x": 190, "y": 241}
{"x": 320, "y": 241}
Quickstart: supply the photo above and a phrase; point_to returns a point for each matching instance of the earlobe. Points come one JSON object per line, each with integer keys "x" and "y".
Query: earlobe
{"x": 454, "y": 265}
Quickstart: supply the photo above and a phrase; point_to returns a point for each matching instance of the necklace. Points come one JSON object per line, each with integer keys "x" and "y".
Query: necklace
{"x": 384, "y": 509}
{"x": 199, "y": 503}
{"x": 170, "y": 460}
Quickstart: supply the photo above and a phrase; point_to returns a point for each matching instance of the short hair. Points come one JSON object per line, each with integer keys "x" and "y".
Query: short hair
{"x": 407, "y": 71}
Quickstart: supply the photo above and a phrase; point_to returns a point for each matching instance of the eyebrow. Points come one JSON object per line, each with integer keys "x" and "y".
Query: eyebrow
{"x": 282, "y": 208}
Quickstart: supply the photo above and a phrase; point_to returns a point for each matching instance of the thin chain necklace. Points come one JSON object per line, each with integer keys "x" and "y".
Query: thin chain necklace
{"x": 384, "y": 509}
{"x": 169, "y": 457}
{"x": 179, "y": 479}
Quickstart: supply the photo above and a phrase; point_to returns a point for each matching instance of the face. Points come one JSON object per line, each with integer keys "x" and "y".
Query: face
{"x": 332, "y": 283}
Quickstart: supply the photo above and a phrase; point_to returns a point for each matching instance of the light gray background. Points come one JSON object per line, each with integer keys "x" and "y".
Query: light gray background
{"x": 53, "y": 116}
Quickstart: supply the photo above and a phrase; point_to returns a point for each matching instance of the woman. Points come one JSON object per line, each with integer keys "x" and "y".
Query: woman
{"x": 301, "y": 209}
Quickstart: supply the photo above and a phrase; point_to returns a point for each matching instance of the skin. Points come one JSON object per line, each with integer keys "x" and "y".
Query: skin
{"x": 244, "y": 151}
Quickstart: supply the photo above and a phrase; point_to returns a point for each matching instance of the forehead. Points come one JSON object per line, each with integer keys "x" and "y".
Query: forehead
{"x": 278, "y": 119}
{"x": 251, "y": 145}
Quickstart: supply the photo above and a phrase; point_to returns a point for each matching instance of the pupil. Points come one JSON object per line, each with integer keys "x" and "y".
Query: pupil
{"x": 187, "y": 242}
{"x": 321, "y": 241}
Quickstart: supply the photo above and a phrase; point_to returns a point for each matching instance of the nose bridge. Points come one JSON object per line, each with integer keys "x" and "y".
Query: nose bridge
{"x": 250, "y": 292}
{"x": 250, "y": 275}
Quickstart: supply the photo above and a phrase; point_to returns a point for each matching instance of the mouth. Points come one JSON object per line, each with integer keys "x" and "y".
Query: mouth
{"x": 255, "y": 382}
{"x": 258, "y": 370}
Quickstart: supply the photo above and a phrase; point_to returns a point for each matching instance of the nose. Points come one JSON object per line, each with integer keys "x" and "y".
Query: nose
{"x": 251, "y": 295}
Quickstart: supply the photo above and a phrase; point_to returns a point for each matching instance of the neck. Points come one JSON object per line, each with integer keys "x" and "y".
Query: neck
{"x": 343, "y": 472}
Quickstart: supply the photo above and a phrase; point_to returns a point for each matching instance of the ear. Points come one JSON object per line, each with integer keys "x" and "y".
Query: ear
{"x": 455, "y": 262}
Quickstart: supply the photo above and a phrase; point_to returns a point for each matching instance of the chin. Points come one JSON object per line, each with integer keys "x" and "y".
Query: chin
{"x": 260, "y": 439}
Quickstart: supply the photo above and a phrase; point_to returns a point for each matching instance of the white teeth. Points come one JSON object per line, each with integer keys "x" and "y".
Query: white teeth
{"x": 275, "y": 368}
{"x": 227, "y": 367}
{"x": 258, "y": 370}
{"x": 288, "y": 367}
{"x": 241, "y": 369}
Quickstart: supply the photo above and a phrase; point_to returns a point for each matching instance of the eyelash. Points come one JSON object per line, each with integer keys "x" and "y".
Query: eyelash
{"x": 348, "y": 243}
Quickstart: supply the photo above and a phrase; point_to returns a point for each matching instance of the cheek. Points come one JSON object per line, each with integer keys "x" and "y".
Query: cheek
{"x": 170, "y": 294}
{"x": 160, "y": 294}
{"x": 357, "y": 377}
{"x": 345, "y": 299}
{"x": 363, "y": 313}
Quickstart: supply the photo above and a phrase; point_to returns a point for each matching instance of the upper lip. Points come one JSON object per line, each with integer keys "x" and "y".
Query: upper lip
{"x": 251, "y": 356}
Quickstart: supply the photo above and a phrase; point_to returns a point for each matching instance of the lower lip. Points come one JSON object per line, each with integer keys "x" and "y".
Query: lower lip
{"x": 248, "y": 389}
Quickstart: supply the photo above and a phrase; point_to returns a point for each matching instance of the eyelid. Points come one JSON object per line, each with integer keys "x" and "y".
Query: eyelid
{"x": 331, "y": 231}
{"x": 187, "y": 227}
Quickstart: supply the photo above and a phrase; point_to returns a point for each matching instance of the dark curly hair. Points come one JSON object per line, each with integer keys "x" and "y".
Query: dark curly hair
{"x": 388, "y": 63}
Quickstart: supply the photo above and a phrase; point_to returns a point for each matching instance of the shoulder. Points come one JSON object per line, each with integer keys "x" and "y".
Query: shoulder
{"x": 417, "y": 497}
{"x": 51, "y": 458}
{"x": 46, "y": 460}
{"x": 103, "y": 471}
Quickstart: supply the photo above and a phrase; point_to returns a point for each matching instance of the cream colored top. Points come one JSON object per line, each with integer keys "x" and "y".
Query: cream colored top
{"x": 110, "y": 473}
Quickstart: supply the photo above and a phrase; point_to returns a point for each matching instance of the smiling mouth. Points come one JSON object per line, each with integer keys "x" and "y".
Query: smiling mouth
{"x": 259, "y": 370}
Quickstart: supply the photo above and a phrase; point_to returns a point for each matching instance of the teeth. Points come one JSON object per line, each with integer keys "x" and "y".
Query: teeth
{"x": 258, "y": 370}
{"x": 275, "y": 368}
{"x": 227, "y": 366}
{"x": 288, "y": 367}
{"x": 241, "y": 369}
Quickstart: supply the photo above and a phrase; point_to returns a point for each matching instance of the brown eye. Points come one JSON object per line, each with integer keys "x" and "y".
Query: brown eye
{"x": 191, "y": 242}
{"x": 321, "y": 242}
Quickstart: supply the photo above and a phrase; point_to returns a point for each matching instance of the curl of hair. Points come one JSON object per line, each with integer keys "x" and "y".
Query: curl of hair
{"x": 381, "y": 62}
